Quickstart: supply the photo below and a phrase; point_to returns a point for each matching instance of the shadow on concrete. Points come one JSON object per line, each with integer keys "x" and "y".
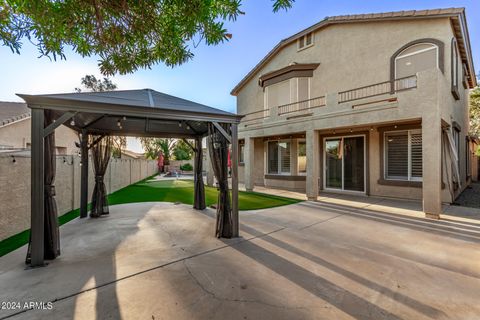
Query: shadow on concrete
{"x": 344, "y": 300}
{"x": 439, "y": 227}
{"x": 394, "y": 295}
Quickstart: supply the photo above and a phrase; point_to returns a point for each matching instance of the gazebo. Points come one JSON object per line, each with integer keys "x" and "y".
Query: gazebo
{"x": 97, "y": 116}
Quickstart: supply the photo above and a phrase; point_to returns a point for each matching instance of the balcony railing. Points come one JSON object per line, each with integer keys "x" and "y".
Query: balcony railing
{"x": 256, "y": 116}
{"x": 304, "y": 105}
{"x": 378, "y": 89}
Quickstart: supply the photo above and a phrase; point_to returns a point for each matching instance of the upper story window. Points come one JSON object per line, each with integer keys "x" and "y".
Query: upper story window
{"x": 454, "y": 69}
{"x": 287, "y": 91}
{"x": 416, "y": 58}
{"x": 305, "y": 41}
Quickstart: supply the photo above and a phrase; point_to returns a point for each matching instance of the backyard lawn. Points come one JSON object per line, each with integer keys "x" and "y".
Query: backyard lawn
{"x": 155, "y": 190}
{"x": 182, "y": 191}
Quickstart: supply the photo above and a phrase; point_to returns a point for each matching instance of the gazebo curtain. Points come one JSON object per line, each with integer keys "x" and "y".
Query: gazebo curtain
{"x": 218, "y": 147}
{"x": 50, "y": 222}
{"x": 101, "y": 152}
{"x": 199, "y": 197}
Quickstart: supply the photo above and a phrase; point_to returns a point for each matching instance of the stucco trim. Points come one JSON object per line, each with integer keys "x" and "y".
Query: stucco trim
{"x": 285, "y": 177}
{"x": 292, "y": 71}
{"x": 441, "y": 54}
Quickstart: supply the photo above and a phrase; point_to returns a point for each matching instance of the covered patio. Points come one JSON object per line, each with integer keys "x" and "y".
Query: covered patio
{"x": 97, "y": 116}
{"x": 338, "y": 258}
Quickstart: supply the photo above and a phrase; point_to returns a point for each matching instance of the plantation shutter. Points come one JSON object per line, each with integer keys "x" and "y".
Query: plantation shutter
{"x": 284, "y": 156}
{"x": 416, "y": 154}
{"x": 397, "y": 155}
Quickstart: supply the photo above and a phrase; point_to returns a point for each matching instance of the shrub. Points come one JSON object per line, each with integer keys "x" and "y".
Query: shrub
{"x": 186, "y": 167}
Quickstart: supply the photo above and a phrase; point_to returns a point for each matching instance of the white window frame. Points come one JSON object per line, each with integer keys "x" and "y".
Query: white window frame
{"x": 304, "y": 38}
{"x": 409, "y": 153}
{"x": 298, "y": 165}
{"x": 279, "y": 165}
{"x": 434, "y": 47}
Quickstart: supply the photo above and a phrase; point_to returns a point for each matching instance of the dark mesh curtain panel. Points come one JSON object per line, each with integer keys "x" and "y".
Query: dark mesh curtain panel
{"x": 219, "y": 155}
{"x": 50, "y": 222}
{"x": 199, "y": 197}
{"x": 101, "y": 152}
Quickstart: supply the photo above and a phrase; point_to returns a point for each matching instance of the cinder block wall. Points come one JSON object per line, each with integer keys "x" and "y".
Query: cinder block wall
{"x": 15, "y": 186}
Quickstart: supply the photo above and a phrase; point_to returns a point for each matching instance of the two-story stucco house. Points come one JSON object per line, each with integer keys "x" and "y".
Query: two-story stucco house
{"x": 369, "y": 104}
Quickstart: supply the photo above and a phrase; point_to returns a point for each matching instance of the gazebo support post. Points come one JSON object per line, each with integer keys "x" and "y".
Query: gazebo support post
{"x": 37, "y": 196}
{"x": 234, "y": 158}
{"x": 84, "y": 175}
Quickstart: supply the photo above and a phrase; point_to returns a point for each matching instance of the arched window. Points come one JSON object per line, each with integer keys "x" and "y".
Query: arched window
{"x": 416, "y": 58}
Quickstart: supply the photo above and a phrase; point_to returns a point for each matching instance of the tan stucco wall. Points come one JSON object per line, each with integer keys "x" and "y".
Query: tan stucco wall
{"x": 358, "y": 54}
{"x": 17, "y": 135}
{"x": 15, "y": 199}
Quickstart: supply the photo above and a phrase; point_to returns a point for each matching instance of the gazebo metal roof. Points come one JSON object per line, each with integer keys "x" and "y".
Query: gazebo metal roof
{"x": 144, "y": 112}
{"x": 122, "y": 113}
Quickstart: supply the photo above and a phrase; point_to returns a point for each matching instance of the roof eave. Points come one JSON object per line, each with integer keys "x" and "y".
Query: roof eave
{"x": 334, "y": 20}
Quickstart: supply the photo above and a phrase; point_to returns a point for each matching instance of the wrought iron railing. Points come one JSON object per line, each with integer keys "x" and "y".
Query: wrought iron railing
{"x": 378, "y": 89}
{"x": 299, "y": 106}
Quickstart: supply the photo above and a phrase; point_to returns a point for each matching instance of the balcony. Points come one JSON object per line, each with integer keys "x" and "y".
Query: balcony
{"x": 361, "y": 96}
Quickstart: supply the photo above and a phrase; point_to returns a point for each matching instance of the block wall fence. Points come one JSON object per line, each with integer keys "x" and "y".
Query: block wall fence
{"x": 15, "y": 185}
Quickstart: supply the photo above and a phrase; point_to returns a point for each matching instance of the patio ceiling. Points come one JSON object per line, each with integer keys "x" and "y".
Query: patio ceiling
{"x": 142, "y": 112}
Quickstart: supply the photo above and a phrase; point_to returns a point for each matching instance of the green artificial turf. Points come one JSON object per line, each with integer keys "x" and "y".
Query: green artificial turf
{"x": 182, "y": 191}
{"x": 149, "y": 190}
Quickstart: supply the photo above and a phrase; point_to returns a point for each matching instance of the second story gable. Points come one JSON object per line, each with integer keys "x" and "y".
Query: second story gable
{"x": 347, "y": 58}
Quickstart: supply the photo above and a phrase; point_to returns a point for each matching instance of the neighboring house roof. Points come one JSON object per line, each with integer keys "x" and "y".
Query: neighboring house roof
{"x": 459, "y": 25}
{"x": 12, "y": 112}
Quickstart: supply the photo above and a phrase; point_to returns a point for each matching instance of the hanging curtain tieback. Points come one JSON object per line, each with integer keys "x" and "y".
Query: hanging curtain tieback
{"x": 49, "y": 190}
{"x": 98, "y": 178}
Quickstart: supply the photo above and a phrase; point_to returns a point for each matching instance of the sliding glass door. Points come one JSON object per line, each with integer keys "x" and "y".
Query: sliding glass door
{"x": 344, "y": 163}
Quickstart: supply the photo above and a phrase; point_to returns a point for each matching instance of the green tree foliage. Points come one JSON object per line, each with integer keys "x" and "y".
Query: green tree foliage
{"x": 182, "y": 151}
{"x": 126, "y": 35}
{"x": 153, "y": 146}
{"x": 475, "y": 112}
{"x": 91, "y": 83}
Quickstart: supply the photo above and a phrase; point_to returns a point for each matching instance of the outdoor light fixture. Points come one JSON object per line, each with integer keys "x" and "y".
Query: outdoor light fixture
{"x": 124, "y": 118}
{"x": 13, "y": 159}
{"x": 180, "y": 124}
{"x": 72, "y": 123}
{"x": 119, "y": 123}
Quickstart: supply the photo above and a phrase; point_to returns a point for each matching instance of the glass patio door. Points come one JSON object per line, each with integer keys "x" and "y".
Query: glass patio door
{"x": 345, "y": 163}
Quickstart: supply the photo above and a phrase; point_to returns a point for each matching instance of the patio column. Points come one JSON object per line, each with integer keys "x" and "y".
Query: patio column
{"x": 249, "y": 163}
{"x": 234, "y": 158}
{"x": 37, "y": 189}
{"x": 432, "y": 165}
{"x": 313, "y": 163}
{"x": 84, "y": 175}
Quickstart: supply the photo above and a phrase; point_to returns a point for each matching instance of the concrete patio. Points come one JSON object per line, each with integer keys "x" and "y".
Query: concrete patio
{"x": 338, "y": 258}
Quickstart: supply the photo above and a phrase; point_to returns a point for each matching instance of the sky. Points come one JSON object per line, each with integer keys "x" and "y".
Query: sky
{"x": 210, "y": 76}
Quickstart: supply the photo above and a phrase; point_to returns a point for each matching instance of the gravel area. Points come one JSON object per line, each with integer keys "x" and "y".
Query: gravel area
{"x": 470, "y": 197}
